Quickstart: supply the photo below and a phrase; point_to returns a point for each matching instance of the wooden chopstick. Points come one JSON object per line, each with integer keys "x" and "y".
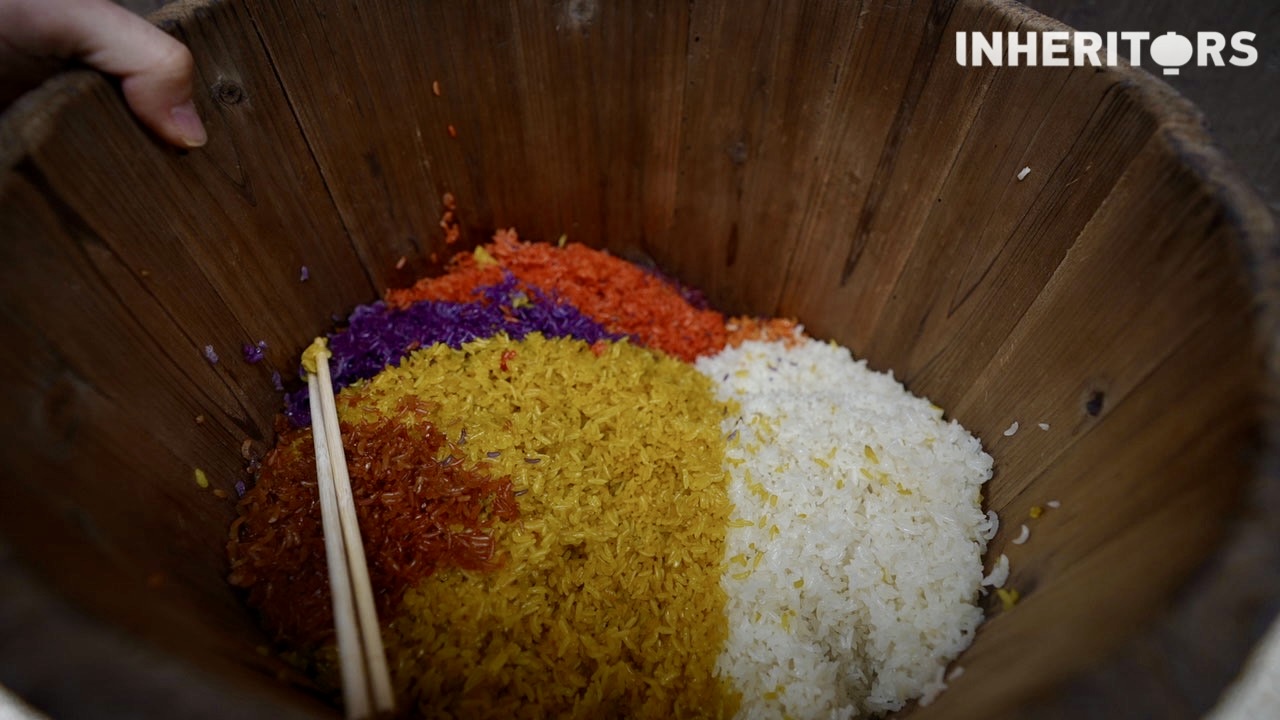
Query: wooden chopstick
{"x": 355, "y": 684}
{"x": 366, "y": 682}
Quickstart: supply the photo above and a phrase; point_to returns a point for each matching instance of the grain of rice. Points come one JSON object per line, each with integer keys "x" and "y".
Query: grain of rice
{"x": 254, "y": 352}
{"x": 999, "y": 573}
{"x": 992, "y": 525}
{"x": 1023, "y": 535}
{"x": 1044, "y": 426}
{"x": 1012, "y": 429}
{"x": 1022, "y": 174}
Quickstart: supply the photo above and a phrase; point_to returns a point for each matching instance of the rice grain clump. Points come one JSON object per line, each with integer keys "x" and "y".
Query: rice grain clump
{"x": 855, "y": 549}
{"x": 609, "y": 602}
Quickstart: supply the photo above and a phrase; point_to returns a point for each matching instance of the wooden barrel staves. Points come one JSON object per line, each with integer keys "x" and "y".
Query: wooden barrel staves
{"x": 823, "y": 160}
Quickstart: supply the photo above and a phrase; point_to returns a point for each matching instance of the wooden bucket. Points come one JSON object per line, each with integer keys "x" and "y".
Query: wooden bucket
{"x": 824, "y": 160}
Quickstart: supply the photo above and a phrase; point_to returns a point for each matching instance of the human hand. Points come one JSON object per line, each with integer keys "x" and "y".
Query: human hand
{"x": 155, "y": 70}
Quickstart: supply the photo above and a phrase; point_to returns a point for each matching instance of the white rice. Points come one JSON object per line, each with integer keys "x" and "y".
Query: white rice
{"x": 992, "y": 525}
{"x": 999, "y": 573}
{"x": 853, "y": 575}
{"x": 1023, "y": 535}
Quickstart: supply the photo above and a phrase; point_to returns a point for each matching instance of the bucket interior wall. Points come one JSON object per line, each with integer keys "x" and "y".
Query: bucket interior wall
{"x": 827, "y": 161}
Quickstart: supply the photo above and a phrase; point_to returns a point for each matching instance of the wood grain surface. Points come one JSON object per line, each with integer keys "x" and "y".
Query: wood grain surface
{"x": 1239, "y": 105}
{"x": 826, "y": 160}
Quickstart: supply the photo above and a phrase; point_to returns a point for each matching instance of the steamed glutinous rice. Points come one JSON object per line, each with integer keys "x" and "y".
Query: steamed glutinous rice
{"x": 584, "y": 493}
{"x": 855, "y": 549}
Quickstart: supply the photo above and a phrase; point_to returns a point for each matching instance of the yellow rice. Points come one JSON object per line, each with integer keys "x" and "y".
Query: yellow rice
{"x": 609, "y": 602}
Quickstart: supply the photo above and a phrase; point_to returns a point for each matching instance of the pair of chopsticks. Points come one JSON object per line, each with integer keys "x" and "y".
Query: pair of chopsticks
{"x": 366, "y": 684}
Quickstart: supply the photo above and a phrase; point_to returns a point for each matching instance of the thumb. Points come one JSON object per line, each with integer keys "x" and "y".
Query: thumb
{"x": 155, "y": 69}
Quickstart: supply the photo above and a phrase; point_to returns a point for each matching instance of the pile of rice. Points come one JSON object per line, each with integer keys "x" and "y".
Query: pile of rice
{"x": 608, "y": 601}
{"x": 769, "y": 531}
{"x": 855, "y": 549}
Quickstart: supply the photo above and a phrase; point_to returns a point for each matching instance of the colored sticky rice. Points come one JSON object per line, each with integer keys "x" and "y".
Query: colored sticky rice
{"x": 608, "y": 599}
{"x": 610, "y": 603}
{"x": 622, "y": 297}
{"x": 378, "y": 336}
{"x": 774, "y": 531}
{"x": 419, "y": 507}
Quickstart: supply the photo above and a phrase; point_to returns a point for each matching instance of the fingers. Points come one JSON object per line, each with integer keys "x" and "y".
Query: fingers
{"x": 155, "y": 69}
{"x": 160, "y": 95}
